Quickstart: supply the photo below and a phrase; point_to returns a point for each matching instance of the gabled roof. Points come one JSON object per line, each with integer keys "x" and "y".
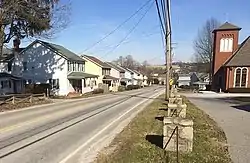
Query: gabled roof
{"x": 241, "y": 57}
{"x": 8, "y": 54}
{"x": 227, "y": 26}
{"x": 131, "y": 71}
{"x": 137, "y": 72}
{"x": 115, "y": 67}
{"x": 60, "y": 50}
{"x": 80, "y": 75}
{"x": 97, "y": 61}
{"x": 7, "y": 75}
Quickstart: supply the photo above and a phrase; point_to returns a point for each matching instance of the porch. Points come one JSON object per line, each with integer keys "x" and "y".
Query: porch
{"x": 112, "y": 82}
{"x": 80, "y": 82}
{"x": 10, "y": 84}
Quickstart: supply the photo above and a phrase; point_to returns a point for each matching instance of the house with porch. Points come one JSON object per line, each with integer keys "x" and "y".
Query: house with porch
{"x": 231, "y": 60}
{"x": 47, "y": 63}
{"x": 103, "y": 70}
{"x": 10, "y": 81}
{"x": 133, "y": 76}
{"x": 139, "y": 77}
{"x": 125, "y": 75}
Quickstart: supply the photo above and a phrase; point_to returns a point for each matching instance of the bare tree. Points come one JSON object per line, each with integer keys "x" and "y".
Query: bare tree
{"x": 127, "y": 62}
{"x": 31, "y": 18}
{"x": 203, "y": 44}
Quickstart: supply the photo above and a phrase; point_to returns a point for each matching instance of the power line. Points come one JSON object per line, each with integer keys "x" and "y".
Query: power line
{"x": 119, "y": 26}
{"x": 146, "y": 35}
{"x": 132, "y": 29}
{"x": 160, "y": 17}
{"x": 163, "y": 10}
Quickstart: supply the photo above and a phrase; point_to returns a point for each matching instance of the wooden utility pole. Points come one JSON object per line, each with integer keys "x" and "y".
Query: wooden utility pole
{"x": 168, "y": 48}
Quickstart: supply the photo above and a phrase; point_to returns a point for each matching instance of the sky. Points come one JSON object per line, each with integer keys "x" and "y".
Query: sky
{"x": 90, "y": 20}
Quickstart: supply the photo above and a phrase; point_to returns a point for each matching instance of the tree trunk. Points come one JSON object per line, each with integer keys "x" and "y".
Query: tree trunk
{"x": 1, "y": 38}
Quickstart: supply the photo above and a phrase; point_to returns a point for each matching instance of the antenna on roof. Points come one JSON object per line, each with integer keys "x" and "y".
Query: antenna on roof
{"x": 227, "y": 17}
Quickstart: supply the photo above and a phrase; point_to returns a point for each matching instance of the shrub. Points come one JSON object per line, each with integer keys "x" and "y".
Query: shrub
{"x": 98, "y": 91}
{"x": 121, "y": 88}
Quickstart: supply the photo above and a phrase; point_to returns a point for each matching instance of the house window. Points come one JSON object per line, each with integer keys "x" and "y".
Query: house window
{"x": 80, "y": 67}
{"x": 54, "y": 83}
{"x": 240, "y": 77}
{"x": 5, "y": 84}
{"x": 9, "y": 66}
{"x": 69, "y": 66}
{"x": 226, "y": 45}
{"x": 105, "y": 71}
{"x": 25, "y": 66}
{"x": 74, "y": 66}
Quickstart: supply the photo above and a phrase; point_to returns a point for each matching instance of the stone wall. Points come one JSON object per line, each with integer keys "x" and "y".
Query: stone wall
{"x": 177, "y": 126}
{"x": 175, "y": 110}
{"x": 185, "y": 134}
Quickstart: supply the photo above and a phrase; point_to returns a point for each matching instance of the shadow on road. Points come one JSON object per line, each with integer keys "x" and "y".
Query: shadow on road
{"x": 156, "y": 140}
{"x": 243, "y": 107}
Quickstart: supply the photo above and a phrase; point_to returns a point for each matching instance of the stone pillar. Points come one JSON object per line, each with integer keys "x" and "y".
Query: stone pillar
{"x": 175, "y": 101}
{"x": 175, "y": 110}
{"x": 185, "y": 134}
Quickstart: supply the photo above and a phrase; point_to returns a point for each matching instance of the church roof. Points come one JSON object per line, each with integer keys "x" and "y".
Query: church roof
{"x": 227, "y": 26}
{"x": 241, "y": 56}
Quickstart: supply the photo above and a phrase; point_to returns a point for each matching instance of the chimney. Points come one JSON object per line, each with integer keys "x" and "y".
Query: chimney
{"x": 16, "y": 44}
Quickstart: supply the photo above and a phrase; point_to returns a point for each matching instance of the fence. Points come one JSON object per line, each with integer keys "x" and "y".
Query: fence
{"x": 21, "y": 98}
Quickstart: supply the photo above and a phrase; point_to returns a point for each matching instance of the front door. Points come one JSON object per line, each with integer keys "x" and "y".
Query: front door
{"x": 15, "y": 83}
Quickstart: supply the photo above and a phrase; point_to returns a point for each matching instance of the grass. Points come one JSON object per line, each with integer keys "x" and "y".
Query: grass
{"x": 20, "y": 105}
{"x": 141, "y": 140}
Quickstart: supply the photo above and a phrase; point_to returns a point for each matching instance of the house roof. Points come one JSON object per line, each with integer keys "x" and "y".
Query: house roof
{"x": 97, "y": 61}
{"x": 131, "y": 71}
{"x": 8, "y": 54}
{"x": 108, "y": 77}
{"x": 7, "y": 75}
{"x": 115, "y": 67}
{"x": 241, "y": 57}
{"x": 80, "y": 75}
{"x": 62, "y": 50}
{"x": 227, "y": 26}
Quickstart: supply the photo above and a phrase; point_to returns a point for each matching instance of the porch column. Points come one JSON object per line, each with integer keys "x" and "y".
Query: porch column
{"x": 83, "y": 82}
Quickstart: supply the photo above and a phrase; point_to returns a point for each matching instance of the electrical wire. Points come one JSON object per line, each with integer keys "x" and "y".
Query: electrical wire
{"x": 128, "y": 34}
{"x": 119, "y": 26}
{"x": 164, "y": 11}
{"x": 160, "y": 17}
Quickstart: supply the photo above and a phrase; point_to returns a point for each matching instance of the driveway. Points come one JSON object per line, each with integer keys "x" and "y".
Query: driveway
{"x": 232, "y": 113}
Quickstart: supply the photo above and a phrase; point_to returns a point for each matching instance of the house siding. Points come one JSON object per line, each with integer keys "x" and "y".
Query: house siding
{"x": 42, "y": 65}
{"x": 92, "y": 68}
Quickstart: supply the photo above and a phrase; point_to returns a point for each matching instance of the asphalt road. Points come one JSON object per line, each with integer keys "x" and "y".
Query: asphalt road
{"x": 72, "y": 131}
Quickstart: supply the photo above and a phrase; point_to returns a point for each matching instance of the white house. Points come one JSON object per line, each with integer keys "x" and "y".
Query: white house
{"x": 187, "y": 79}
{"x": 133, "y": 76}
{"x": 125, "y": 75}
{"x": 139, "y": 78}
{"x": 42, "y": 62}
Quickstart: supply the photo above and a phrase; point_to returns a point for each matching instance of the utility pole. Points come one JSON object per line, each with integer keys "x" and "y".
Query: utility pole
{"x": 168, "y": 48}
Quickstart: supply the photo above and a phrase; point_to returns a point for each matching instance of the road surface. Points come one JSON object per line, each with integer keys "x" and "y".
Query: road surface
{"x": 232, "y": 116}
{"x": 72, "y": 131}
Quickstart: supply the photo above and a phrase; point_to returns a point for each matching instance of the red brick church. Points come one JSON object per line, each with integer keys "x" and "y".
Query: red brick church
{"x": 231, "y": 60}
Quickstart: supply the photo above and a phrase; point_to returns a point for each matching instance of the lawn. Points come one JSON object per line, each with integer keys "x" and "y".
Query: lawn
{"x": 141, "y": 140}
